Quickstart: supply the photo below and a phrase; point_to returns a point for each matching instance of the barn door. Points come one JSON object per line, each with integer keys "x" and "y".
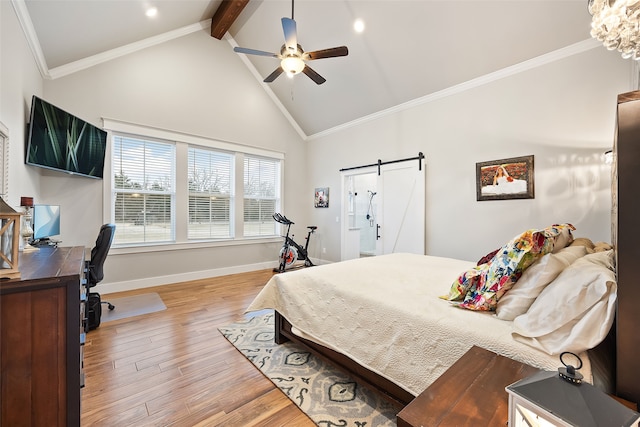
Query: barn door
{"x": 383, "y": 213}
{"x": 401, "y": 208}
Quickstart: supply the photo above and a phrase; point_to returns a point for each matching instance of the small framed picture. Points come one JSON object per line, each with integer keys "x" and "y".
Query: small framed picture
{"x": 321, "y": 199}
{"x": 505, "y": 179}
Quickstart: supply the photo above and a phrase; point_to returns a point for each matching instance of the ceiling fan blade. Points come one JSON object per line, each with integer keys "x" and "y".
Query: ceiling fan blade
{"x": 254, "y": 52}
{"x": 271, "y": 77}
{"x": 290, "y": 34}
{"x": 327, "y": 53}
{"x": 313, "y": 75}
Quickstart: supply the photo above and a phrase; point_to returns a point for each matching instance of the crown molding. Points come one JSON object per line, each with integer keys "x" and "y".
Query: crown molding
{"x": 83, "y": 64}
{"x": 30, "y": 34}
{"x": 529, "y": 64}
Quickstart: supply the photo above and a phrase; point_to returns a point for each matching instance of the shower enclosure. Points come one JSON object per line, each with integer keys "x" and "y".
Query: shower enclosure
{"x": 362, "y": 204}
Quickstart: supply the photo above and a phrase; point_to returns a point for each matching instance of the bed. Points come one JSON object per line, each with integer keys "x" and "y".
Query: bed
{"x": 381, "y": 356}
{"x": 383, "y": 319}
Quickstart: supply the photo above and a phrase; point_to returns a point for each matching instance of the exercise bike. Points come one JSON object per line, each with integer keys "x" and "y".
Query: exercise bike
{"x": 291, "y": 251}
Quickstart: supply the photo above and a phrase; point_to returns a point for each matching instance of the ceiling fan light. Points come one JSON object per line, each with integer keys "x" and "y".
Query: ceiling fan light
{"x": 292, "y": 65}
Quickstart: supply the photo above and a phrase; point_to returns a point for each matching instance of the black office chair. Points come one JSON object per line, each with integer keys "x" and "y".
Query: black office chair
{"x": 95, "y": 274}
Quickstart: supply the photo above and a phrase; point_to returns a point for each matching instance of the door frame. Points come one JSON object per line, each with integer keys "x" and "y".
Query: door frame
{"x": 345, "y": 235}
{"x": 374, "y": 168}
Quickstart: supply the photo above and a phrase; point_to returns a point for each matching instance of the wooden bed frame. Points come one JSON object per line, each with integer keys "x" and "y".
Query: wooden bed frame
{"x": 395, "y": 393}
{"x": 625, "y": 236}
{"x": 625, "y": 334}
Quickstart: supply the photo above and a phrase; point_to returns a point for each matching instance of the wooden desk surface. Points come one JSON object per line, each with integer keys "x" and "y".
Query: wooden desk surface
{"x": 470, "y": 393}
{"x": 45, "y": 265}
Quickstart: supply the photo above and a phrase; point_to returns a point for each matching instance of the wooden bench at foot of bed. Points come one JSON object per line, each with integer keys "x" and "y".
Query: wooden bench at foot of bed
{"x": 470, "y": 393}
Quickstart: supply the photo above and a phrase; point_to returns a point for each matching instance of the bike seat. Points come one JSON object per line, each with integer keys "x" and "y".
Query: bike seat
{"x": 311, "y": 227}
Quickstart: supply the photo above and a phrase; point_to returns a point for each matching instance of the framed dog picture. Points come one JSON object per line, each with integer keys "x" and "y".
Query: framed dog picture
{"x": 505, "y": 179}
{"x": 321, "y": 199}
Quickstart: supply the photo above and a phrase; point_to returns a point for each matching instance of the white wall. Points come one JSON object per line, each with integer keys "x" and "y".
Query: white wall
{"x": 195, "y": 85}
{"x": 563, "y": 113}
{"x": 19, "y": 80}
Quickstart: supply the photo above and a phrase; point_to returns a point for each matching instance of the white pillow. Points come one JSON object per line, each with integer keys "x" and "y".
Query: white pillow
{"x": 574, "y": 312}
{"x": 534, "y": 279}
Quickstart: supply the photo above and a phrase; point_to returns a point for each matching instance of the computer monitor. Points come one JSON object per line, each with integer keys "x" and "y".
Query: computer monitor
{"x": 46, "y": 221}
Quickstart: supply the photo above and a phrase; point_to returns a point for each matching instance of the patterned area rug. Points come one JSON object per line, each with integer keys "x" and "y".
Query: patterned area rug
{"x": 327, "y": 395}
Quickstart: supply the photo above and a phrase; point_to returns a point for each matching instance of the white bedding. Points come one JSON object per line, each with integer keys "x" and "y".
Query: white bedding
{"x": 384, "y": 313}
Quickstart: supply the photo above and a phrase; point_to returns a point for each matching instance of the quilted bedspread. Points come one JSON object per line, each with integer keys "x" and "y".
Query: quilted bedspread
{"x": 385, "y": 313}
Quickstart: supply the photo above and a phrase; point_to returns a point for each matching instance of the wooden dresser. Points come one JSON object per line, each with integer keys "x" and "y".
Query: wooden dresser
{"x": 42, "y": 332}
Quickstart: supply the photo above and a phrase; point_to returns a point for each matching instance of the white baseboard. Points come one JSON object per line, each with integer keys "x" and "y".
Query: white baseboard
{"x": 105, "y": 287}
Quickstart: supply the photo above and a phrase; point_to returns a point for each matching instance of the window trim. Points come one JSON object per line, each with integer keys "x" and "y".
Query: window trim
{"x": 4, "y": 160}
{"x": 182, "y": 141}
{"x": 117, "y": 126}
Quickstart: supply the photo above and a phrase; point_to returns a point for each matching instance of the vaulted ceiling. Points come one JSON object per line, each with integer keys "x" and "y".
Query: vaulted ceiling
{"x": 410, "y": 50}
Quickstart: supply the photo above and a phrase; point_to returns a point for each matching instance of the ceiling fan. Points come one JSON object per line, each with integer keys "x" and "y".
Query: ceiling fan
{"x": 292, "y": 57}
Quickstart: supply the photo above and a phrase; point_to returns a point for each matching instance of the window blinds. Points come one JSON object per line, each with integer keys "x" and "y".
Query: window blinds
{"x": 261, "y": 195}
{"x": 210, "y": 180}
{"x": 144, "y": 190}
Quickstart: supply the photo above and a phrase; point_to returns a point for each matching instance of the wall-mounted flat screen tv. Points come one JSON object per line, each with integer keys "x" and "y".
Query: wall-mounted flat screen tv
{"x": 61, "y": 141}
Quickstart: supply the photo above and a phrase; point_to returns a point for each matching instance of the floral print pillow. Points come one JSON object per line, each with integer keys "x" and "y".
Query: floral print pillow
{"x": 481, "y": 287}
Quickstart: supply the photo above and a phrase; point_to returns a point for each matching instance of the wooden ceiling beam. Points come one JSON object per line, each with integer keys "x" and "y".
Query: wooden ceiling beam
{"x": 227, "y": 13}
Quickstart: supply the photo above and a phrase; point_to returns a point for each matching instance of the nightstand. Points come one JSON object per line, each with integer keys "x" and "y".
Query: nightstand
{"x": 470, "y": 393}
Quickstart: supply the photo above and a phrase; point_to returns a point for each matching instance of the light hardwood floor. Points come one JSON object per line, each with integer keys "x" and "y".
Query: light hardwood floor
{"x": 174, "y": 368}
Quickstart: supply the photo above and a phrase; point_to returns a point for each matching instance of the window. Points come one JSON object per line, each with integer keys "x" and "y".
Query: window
{"x": 210, "y": 194}
{"x": 261, "y": 195}
{"x": 169, "y": 188}
{"x": 4, "y": 160}
{"x": 143, "y": 190}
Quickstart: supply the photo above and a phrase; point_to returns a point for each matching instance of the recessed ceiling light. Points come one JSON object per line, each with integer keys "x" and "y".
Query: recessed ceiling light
{"x": 358, "y": 25}
{"x": 151, "y": 12}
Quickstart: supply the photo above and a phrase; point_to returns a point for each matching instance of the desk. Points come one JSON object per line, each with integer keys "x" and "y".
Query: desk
{"x": 470, "y": 393}
{"x": 42, "y": 318}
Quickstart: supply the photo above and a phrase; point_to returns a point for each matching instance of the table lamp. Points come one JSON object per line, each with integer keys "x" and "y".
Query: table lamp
{"x": 562, "y": 399}
{"x": 9, "y": 241}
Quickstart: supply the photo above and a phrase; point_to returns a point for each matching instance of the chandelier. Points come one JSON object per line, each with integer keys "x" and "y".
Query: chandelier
{"x": 616, "y": 23}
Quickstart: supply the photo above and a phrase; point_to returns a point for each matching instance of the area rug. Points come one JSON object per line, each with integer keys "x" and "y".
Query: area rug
{"x": 326, "y": 394}
{"x": 131, "y": 306}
